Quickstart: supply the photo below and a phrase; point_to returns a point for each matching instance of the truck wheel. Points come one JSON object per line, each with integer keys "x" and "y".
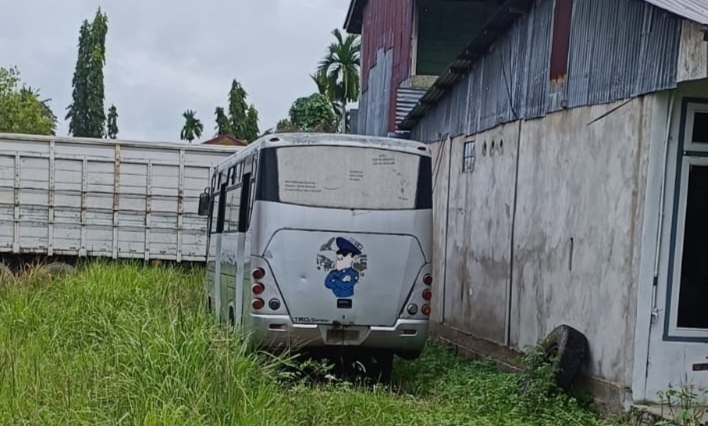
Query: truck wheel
{"x": 571, "y": 348}
{"x": 58, "y": 269}
{"x": 5, "y": 273}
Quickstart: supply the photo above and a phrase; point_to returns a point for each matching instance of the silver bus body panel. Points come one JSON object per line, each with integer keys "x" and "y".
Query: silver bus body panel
{"x": 290, "y": 242}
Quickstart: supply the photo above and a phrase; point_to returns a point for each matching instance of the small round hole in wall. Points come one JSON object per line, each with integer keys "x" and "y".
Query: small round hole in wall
{"x": 501, "y": 146}
{"x": 491, "y": 149}
{"x": 484, "y": 148}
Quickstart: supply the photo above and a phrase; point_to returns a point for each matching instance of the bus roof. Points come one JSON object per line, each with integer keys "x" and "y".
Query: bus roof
{"x": 310, "y": 139}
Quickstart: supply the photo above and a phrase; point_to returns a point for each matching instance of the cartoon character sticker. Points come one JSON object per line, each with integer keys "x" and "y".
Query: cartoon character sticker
{"x": 344, "y": 272}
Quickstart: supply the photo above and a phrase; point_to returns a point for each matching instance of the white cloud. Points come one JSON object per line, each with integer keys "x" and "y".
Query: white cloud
{"x": 166, "y": 56}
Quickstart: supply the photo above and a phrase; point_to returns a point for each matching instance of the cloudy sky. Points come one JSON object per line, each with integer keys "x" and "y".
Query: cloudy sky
{"x": 166, "y": 56}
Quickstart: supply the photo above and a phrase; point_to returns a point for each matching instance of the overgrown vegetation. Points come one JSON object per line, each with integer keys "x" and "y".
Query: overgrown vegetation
{"x": 130, "y": 344}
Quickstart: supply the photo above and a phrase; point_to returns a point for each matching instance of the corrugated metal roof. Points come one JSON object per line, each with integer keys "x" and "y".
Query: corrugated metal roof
{"x": 695, "y": 10}
{"x": 511, "y": 80}
{"x": 406, "y": 99}
{"x": 592, "y": 83}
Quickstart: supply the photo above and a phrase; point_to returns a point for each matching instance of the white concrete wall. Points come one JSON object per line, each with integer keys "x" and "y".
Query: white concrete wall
{"x": 581, "y": 178}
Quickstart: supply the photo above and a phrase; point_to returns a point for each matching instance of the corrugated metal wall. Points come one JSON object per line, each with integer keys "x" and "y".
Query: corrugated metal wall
{"x": 618, "y": 49}
{"x": 387, "y": 29}
{"x": 375, "y": 103}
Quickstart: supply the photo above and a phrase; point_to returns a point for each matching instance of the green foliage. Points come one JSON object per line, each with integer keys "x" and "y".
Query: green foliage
{"x": 21, "y": 109}
{"x": 126, "y": 343}
{"x": 313, "y": 114}
{"x": 686, "y": 406}
{"x": 193, "y": 127}
{"x": 250, "y": 132}
{"x": 238, "y": 109}
{"x": 86, "y": 114}
{"x": 242, "y": 119}
{"x": 338, "y": 73}
{"x": 285, "y": 126}
{"x": 112, "y": 124}
{"x": 223, "y": 125}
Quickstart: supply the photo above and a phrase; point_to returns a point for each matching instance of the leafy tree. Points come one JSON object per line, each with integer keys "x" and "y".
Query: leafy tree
{"x": 112, "y": 125}
{"x": 338, "y": 71}
{"x": 251, "y": 128}
{"x": 242, "y": 119}
{"x": 223, "y": 125}
{"x": 285, "y": 126}
{"x": 193, "y": 127}
{"x": 238, "y": 110}
{"x": 312, "y": 114}
{"x": 21, "y": 109}
{"x": 86, "y": 113}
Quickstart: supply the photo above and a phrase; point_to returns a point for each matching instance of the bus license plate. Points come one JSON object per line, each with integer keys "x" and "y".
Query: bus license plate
{"x": 338, "y": 335}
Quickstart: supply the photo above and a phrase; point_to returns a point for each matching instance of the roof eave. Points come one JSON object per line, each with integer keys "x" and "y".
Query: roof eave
{"x": 497, "y": 25}
{"x": 355, "y": 16}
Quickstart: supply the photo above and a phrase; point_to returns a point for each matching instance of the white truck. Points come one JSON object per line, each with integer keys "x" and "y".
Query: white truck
{"x": 67, "y": 198}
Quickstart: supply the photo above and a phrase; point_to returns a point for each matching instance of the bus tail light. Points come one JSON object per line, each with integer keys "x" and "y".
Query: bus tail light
{"x": 257, "y": 304}
{"x": 412, "y": 309}
{"x": 258, "y": 273}
{"x": 257, "y": 288}
{"x": 427, "y": 294}
{"x": 426, "y": 310}
{"x": 428, "y": 279}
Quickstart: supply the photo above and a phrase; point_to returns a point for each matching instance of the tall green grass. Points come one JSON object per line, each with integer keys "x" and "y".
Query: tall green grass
{"x": 130, "y": 344}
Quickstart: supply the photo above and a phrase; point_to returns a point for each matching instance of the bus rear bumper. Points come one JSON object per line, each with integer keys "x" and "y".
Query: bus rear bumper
{"x": 406, "y": 337}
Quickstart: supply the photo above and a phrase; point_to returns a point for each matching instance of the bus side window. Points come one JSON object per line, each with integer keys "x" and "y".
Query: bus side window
{"x": 221, "y": 209}
{"x": 245, "y": 202}
{"x": 233, "y": 204}
{"x": 213, "y": 213}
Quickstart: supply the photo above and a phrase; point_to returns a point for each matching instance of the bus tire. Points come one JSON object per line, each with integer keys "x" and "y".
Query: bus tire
{"x": 5, "y": 273}
{"x": 571, "y": 348}
{"x": 58, "y": 269}
{"x": 384, "y": 366}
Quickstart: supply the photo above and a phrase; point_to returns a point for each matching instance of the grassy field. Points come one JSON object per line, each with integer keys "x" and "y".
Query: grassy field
{"x": 131, "y": 345}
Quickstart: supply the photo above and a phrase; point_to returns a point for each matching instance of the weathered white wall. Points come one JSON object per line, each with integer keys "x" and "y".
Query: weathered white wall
{"x": 693, "y": 53}
{"x": 581, "y": 180}
{"x": 575, "y": 230}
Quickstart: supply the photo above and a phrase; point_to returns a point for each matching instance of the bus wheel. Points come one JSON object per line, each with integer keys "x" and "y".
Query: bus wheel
{"x": 384, "y": 366}
{"x": 5, "y": 273}
{"x": 58, "y": 269}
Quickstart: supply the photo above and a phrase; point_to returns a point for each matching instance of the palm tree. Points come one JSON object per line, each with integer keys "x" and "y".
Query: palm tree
{"x": 192, "y": 126}
{"x": 339, "y": 69}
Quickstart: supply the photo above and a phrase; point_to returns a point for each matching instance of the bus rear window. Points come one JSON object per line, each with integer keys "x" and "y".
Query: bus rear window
{"x": 347, "y": 177}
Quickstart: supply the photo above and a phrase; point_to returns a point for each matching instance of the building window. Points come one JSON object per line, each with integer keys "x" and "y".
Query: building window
{"x": 700, "y": 127}
{"x": 468, "y": 157}
{"x": 560, "y": 43}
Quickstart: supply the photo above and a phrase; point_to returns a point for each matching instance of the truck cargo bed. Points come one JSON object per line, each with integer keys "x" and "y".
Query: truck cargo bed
{"x": 104, "y": 198}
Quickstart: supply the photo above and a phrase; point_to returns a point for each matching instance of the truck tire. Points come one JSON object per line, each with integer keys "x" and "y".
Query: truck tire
{"x": 5, "y": 273}
{"x": 58, "y": 269}
{"x": 571, "y": 348}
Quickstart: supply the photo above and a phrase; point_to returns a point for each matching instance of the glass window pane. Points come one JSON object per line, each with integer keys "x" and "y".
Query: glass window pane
{"x": 233, "y": 198}
{"x": 700, "y": 127}
{"x": 693, "y": 294}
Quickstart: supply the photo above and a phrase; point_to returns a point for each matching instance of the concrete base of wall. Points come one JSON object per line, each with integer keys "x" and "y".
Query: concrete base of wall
{"x": 608, "y": 397}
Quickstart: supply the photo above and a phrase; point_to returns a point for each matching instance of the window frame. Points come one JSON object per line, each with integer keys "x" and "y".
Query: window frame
{"x": 469, "y": 155}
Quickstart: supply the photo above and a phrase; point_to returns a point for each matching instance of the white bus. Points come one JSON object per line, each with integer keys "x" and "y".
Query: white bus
{"x": 324, "y": 241}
